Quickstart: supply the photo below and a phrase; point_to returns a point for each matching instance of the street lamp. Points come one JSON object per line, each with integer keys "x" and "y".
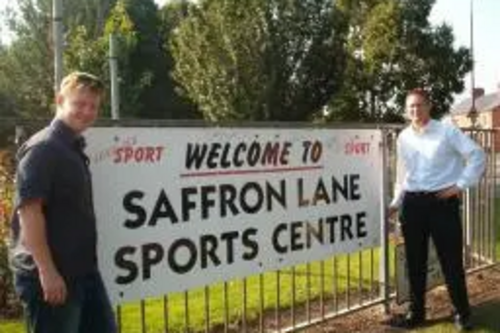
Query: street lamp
{"x": 473, "y": 114}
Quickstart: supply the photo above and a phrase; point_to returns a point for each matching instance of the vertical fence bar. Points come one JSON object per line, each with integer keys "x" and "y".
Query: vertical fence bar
{"x": 186, "y": 312}
{"x": 294, "y": 295}
{"x": 493, "y": 195}
{"x": 491, "y": 190}
{"x": 226, "y": 308}
{"x": 278, "y": 301}
{"x": 244, "y": 319}
{"x": 165, "y": 313}
{"x": 261, "y": 303}
{"x": 308, "y": 289}
{"x": 207, "y": 308}
{"x": 348, "y": 283}
{"x": 471, "y": 195}
{"x": 484, "y": 201}
{"x": 490, "y": 199}
{"x": 322, "y": 292}
{"x": 484, "y": 204}
{"x": 467, "y": 213}
{"x": 143, "y": 316}
{"x": 335, "y": 285}
{"x": 476, "y": 237}
{"x": 360, "y": 278}
{"x": 384, "y": 257}
{"x": 372, "y": 273}
{"x": 480, "y": 209}
{"x": 119, "y": 318}
{"x": 494, "y": 209}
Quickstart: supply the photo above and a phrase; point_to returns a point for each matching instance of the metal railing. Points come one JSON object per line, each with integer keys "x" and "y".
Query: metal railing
{"x": 292, "y": 299}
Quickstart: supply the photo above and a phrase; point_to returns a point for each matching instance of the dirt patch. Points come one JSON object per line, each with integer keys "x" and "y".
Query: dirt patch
{"x": 484, "y": 287}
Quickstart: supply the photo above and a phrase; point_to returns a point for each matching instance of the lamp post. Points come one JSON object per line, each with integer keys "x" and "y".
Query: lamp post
{"x": 57, "y": 31}
{"x": 473, "y": 114}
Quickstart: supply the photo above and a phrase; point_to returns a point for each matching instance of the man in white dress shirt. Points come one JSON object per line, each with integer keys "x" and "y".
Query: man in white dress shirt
{"x": 436, "y": 162}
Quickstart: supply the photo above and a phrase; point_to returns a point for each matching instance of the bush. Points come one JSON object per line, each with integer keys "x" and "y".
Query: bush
{"x": 9, "y": 304}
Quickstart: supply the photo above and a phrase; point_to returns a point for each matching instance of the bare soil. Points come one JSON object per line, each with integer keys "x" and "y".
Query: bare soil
{"x": 483, "y": 287}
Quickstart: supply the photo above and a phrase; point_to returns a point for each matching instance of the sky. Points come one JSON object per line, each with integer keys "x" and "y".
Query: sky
{"x": 457, "y": 14}
{"x": 486, "y": 43}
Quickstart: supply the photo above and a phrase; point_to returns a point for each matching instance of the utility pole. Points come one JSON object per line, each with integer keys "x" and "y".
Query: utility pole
{"x": 113, "y": 68}
{"x": 57, "y": 34}
{"x": 473, "y": 114}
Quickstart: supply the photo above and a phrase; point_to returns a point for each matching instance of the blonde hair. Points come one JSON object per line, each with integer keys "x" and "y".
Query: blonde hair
{"x": 79, "y": 80}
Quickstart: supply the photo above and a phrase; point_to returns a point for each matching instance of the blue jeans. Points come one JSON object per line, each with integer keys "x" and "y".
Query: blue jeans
{"x": 87, "y": 308}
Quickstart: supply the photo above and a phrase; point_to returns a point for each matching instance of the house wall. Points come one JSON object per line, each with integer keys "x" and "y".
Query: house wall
{"x": 484, "y": 120}
{"x": 496, "y": 124}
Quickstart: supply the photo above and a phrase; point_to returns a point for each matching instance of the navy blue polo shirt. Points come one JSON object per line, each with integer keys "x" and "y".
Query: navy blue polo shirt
{"x": 53, "y": 168}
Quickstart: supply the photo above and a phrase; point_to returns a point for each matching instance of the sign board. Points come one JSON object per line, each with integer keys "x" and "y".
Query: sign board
{"x": 434, "y": 274}
{"x": 179, "y": 208}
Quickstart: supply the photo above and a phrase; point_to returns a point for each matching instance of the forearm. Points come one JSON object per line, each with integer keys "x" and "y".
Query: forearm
{"x": 34, "y": 236}
{"x": 474, "y": 169}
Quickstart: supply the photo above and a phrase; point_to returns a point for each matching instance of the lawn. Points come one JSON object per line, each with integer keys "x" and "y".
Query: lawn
{"x": 307, "y": 280}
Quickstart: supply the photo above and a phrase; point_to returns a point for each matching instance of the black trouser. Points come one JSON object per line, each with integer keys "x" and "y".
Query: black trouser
{"x": 423, "y": 215}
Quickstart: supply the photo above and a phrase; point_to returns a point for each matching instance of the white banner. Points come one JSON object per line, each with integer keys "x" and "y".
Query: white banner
{"x": 179, "y": 208}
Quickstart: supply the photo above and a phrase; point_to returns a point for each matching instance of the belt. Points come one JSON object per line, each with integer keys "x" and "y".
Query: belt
{"x": 422, "y": 193}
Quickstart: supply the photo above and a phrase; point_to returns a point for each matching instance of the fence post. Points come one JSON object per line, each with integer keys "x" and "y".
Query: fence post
{"x": 494, "y": 209}
{"x": 384, "y": 258}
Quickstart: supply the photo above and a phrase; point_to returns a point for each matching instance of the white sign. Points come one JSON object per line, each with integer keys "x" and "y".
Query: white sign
{"x": 179, "y": 208}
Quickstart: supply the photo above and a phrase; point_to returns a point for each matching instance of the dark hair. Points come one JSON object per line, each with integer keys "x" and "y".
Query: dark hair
{"x": 419, "y": 92}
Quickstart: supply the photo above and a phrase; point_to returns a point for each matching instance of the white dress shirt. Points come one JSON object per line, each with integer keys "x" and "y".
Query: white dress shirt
{"x": 436, "y": 157}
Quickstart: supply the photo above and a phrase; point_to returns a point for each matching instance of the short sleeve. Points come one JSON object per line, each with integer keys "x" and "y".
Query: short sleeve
{"x": 34, "y": 173}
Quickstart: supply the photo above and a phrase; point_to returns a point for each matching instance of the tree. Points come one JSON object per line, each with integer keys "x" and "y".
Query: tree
{"x": 392, "y": 49}
{"x": 151, "y": 64}
{"x": 25, "y": 68}
{"x": 429, "y": 58}
{"x": 179, "y": 104}
{"x": 260, "y": 59}
{"x": 26, "y": 65}
{"x": 147, "y": 90}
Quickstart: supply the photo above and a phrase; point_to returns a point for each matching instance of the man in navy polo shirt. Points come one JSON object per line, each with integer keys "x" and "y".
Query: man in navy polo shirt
{"x": 53, "y": 252}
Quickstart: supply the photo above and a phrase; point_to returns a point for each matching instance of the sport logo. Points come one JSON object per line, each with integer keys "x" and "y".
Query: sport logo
{"x": 138, "y": 154}
{"x": 128, "y": 151}
{"x": 357, "y": 147}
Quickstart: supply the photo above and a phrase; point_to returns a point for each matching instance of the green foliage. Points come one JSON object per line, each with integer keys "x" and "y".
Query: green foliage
{"x": 150, "y": 65}
{"x": 9, "y": 306}
{"x": 393, "y": 48}
{"x": 87, "y": 53}
{"x": 260, "y": 59}
{"x": 240, "y": 60}
{"x": 26, "y": 65}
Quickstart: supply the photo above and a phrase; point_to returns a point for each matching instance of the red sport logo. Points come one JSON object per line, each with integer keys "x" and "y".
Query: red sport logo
{"x": 356, "y": 147}
{"x": 138, "y": 154}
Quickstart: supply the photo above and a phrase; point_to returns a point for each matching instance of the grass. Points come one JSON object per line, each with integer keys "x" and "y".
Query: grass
{"x": 12, "y": 327}
{"x": 357, "y": 266}
{"x": 306, "y": 280}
